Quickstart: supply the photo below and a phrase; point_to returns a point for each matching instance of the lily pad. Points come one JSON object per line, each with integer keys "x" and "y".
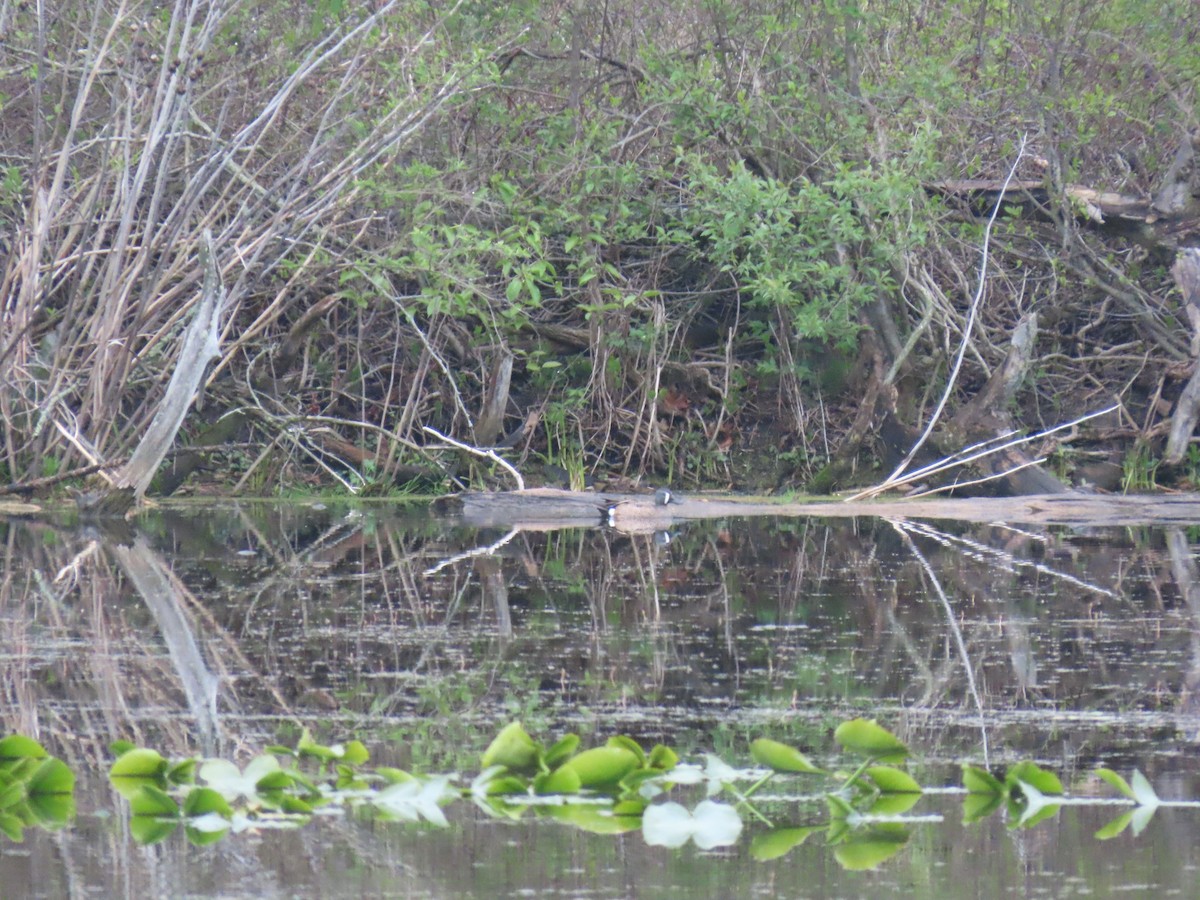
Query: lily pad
{"x": 868, "y": 738}
{"x": 780, "y": 757}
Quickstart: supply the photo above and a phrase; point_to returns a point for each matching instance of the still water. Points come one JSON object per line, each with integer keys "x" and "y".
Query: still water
{"x": 218, "y": 630}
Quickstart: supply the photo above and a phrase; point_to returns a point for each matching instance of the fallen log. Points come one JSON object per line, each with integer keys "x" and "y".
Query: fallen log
{"x": 547, "y": 508}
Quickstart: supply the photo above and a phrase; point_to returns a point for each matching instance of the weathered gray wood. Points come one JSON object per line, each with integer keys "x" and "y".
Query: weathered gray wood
{"x": 544, "y": 508}
{"x": 201, "y": 344}
{"x": 1187, "y": 410}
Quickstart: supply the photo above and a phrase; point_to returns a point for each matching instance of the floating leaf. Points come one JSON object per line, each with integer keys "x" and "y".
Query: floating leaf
{"x": 1031, "y": 774}
{"x": 894, "y": 804}
{"x": 867, "y": 737}
{"x": 780, "y": 842}
{"x": 839, "y": 807}
{"x": 1116, "y": 826}
{"x": 13, "y": 827}
{"x": 980, "y": 806}
{"x": 153, "y": 801}
{"x": 355, "y": 753}
{"x": 1116, "y": 781}
{"x": 981, "y": 781}
{"x": 870, "y": 849}
{"x": 201, "y": 801}
{"x": 891, "y": 780}
{"x": 17, "y": 746}
{"x": 206, "y": 829}
{"x": 513, "y": 749}
{"x": 781, "y": 757}
{"x": 12, "y": 793}
{"x": 562, "y": 750}
{"x": 1030, "y": 805}
{"x": 139, "y": 763}
{"x": 563, "y": 780}
{"x": 117, "y": 748}
{"x": 620, "y": 741}
{"x": 603, "y": 766}
{"x": 593, "y": 819}
{"x": 183, "y": 771}
{"x": 308, "y": 747}
{"x": 151, "y": 829}
{"x": 53, "y": 776}
{"x": 662, "y": 758}
{"x": 52, "y": 811}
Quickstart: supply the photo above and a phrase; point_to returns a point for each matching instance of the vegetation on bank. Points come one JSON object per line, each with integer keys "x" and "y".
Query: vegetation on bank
{"x": 705, "y": 243}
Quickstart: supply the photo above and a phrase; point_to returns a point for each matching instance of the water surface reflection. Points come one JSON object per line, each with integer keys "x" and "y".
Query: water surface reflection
{"x": 220, "y": 629}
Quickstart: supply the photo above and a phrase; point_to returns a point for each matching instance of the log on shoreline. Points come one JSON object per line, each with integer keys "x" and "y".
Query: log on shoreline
{"x": 550, "y": 508}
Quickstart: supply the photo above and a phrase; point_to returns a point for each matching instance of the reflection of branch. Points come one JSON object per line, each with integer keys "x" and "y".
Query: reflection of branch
{"x": 152, "y": 580}
{"x": 474, "y": 551}
{"x": 902, "y": 527}
{"x": 1003, "y": 558}
{"x": 486, "y": 454}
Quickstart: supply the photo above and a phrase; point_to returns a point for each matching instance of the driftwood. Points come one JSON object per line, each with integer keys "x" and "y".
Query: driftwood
{"x": 545, "y": 508}
{"x": 1187, "y": 411}
{"x": 201, "y": 345}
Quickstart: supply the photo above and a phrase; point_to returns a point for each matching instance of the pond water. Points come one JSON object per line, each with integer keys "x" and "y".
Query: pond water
{"x": 218, "y": 630}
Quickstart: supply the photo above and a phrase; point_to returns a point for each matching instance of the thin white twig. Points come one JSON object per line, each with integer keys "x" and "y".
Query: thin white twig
{"x": 486, "y": 454}
{"x": 968, "y": 328}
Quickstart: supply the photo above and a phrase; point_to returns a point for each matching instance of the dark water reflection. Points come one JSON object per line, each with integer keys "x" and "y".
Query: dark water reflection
{"x": 218, "y": 630}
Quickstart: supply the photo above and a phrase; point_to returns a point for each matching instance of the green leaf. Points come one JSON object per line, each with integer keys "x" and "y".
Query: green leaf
{"x": 153, "y": 801}
{"x": 202, "y": 800}
{"x": 12, "y": 793}
{"x": 355, "y": 753}
{"x": 1032, "y": 774}
{"x": 1117, "y": 782}
{"x": 870, "y": 849}
{"x": 980, "y": 806}
{"x": 867, "y": 737}
{"x": 513, "y": 749}
{"x": 53, "y": 776}
{"x": 891, "y": 780}
{"x": 17, "y": 746}
{"x": 780, "y": 757}
{"x": 183, "y": 771}
{"x": 563, "y": 780}
{"x": 622, "y": 742}
{"x": 308, "y": 747}
{"x": 981, "y": 781}
{"x": 562, "y": 750}
{"x": 139, "y": 763}
{"x": 117, "y": 748}
{"x": 603, "y": 766}
{"x": 13, "y": 827}
{"x": 780, "y": 842}
{"x": 151, "y": 829}
{"x": 893, "y": 804}
{"x": 839, "y": 807}
{"x": 52, "y": 811}
{"x": 1116, "y": 826}
{"x": 662, "y": 758}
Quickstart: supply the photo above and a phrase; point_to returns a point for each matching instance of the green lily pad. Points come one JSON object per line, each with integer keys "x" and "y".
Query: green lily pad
{"x": 512, "y": 748}
{"x": 981, "y": 781}
{"x": 890, "y": 780}
{"x": 603, "y": 767}
{"x": 139, "y": 763}
{"x": 780, "y": 757}
{"x": 563, "y": 780}
{"x": 868, "y": 738}
{"x": 779, "y": 842}
{"x": 870, "y": 849}
{"x": 564, "y": 748}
